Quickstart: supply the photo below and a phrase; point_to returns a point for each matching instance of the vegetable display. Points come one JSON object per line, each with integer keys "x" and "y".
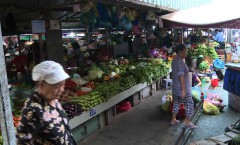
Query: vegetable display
{"x": 104, "y": 80}
{"x": 89, "y": 101}
{"x": 235, "y": 140}
{"x": 203, "y": 66}
{"x": 95, "y": 72}
{"x": 70, "y": 84}
{"x": 1, "y": 140}
{"x": 72, "y": 109}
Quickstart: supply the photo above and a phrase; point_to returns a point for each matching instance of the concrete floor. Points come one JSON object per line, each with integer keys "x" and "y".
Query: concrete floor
{"x": 209, "y": 126}
{"x": 146, "y": 124}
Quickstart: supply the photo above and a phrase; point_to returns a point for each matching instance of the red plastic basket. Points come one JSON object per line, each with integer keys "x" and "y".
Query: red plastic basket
{"x": 214, "y": 82}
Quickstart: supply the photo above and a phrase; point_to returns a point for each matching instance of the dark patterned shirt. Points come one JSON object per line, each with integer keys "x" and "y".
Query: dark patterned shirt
{"x": 43, "y": 124}
{"x": 179, "y": 68}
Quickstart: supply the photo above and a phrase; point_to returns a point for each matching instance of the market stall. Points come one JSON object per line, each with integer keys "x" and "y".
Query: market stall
{"x": 224, "y": 16}
{"x": 231, "y": 84}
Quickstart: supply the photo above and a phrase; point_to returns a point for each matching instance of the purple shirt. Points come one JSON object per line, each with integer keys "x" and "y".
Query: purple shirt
{"x": 179, "y": 68}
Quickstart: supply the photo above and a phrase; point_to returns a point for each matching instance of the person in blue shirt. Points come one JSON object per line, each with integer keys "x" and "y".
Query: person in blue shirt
{"x": 220, "y": 39}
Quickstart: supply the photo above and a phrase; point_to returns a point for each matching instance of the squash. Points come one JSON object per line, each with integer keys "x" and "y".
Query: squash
{"x": 106, "y": 78}
{"x": 117, "y": 76}
{"x": 169, "y": 58}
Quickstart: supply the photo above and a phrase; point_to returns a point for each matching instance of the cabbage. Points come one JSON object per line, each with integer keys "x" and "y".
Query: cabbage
{"x": 94, "y": 73}
{"x": 203, "y": 66}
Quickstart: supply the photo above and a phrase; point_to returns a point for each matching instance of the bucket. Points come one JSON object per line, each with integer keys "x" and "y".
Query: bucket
{"x": 214, "y": 82}
{"x": 193, "y": 62}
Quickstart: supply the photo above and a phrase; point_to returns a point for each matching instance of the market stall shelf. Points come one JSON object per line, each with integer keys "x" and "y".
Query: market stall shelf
{"x": 85, "y": 116}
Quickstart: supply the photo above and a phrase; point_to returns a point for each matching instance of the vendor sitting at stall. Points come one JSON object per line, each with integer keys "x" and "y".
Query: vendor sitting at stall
{"x": 195, "y": 79}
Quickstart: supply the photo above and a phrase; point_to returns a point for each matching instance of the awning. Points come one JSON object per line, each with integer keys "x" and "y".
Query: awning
{"x": 219, "y": 14}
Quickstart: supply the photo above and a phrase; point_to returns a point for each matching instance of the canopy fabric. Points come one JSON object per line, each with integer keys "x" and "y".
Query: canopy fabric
{"x": 219, "y": 14}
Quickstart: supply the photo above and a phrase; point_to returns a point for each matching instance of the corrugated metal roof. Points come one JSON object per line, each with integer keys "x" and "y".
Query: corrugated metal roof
{"x": 26, "y": 10}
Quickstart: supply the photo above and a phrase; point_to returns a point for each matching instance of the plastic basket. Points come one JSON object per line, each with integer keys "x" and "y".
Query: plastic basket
{"x": 214, "y": 82}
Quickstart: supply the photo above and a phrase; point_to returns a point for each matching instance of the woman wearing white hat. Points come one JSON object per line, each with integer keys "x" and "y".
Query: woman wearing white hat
{"x": 43, "y": 120}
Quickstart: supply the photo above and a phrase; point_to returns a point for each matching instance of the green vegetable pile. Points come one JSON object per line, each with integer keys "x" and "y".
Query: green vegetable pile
{"x": 149, "y": 72}
{"x": 235, "y": 140}
{"x": 192, "y": 52}
{"x": 1, "y": 140}
{"x": 212, "y": 53}
{"x": 95, "y": 72}
{"x": 130, "y": 76}
{"x": 203, "y": 49}
{"x": 127, "y": 83}
{"x": 203, "y": 66}
{"x": 89, "y": 101}
{"x": 108, "y": 89}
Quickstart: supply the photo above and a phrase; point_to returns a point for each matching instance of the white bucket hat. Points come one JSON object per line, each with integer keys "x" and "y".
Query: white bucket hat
{"x": 49, "y": 71}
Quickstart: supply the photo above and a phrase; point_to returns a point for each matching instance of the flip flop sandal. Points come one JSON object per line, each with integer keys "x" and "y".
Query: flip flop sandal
{"x": 190, "y": 126}
{"x": 175, "y": 123}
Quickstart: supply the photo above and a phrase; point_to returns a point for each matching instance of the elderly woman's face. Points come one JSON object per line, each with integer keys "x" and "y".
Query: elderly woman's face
{"x": 52, "y": 91}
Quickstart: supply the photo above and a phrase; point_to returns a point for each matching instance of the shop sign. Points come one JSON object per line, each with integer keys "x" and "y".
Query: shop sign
{"x": 38, "y": 26}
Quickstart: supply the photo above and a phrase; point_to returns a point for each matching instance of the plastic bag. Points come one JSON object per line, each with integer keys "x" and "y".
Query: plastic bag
{"x": 196, "y": 94}
{"x": 164, "y": 99}
{"x": 211, "y": 109}
{"x": 218, "y": 64}
{"x": 166, "y": 106}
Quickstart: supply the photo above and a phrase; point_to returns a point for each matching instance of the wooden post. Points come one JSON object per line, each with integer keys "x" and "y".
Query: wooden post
{"x": 6, "y": 118}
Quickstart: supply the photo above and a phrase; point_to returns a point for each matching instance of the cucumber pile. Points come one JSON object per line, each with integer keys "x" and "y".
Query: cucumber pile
{"x": 87, "y": 102}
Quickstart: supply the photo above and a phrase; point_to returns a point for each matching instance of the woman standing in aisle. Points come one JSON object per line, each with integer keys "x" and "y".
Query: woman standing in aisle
{"x": 43, "y": 120}
{"x": 181, "y": 87}
{"x": 76, "y": 55}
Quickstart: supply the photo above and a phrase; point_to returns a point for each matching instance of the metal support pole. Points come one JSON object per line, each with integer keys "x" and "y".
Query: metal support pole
{"x": 182, "y": 35}
{"x": 208, "y": 36}
{"x": 6, "y": 118}
{"x": 41, "y": 47}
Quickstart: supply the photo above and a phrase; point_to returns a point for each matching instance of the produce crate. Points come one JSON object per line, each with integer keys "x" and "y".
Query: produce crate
{"x": 110, "y": 114}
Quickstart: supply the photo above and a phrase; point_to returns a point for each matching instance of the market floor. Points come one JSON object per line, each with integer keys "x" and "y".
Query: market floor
{"x": 144, "y": 124}
{"x": 210, "y": 126}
